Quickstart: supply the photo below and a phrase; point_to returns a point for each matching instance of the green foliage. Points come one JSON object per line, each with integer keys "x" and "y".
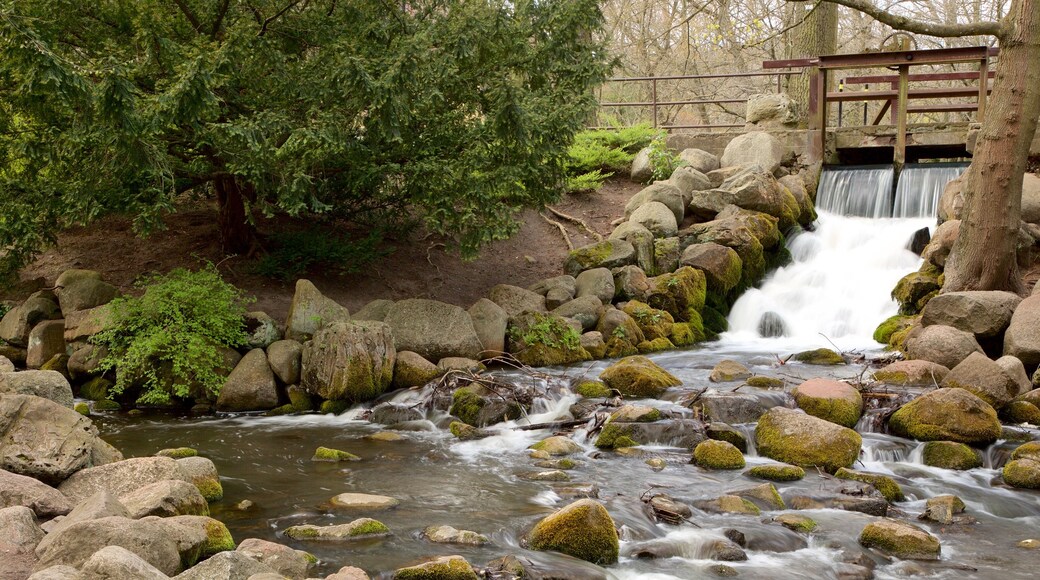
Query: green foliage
{"x": 662, "y": 161}
{"x": 458, "y": 113}
{"x": 597, "y": 154}
{"x": 296, "y": 253}
{"x": 167, "y": 341}
{"x": 586, "y": 182}
{"x": 549, "y": 331}
{"x": 4, "y": 309}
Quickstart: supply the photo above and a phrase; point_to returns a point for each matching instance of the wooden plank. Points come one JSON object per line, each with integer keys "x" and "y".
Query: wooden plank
{"x": 872, "y": 79}
{"x": 881, "y": 113}
{"x": 887, "y": 95}
{"x": 789, "y": 63}
{"x": 904, "y": 57}
{"x": 965, "y": 108}
{"x": 899, "y": 155}
{"x": 983, "y": 84}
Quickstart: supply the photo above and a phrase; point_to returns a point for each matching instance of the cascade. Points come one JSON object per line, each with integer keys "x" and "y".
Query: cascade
{"x": 856, "y": 190}
{"x": 920, "y": 186}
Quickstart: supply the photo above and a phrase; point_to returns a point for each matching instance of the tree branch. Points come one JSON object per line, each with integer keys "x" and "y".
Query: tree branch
{"x": 916, "y": 26}
{"x": 220, "y": 19}
{"x": 192, "y": 19}
{"x": 263, "y": 27}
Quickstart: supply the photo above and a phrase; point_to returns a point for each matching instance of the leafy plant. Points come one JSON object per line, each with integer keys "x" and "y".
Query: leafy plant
{"x": 586, "y": 182}
{"x": 619, "y": 332}
{"x": 4, "y": 309}
{"x": 296, "y": 253}
{"x": 167, "y": 341}
{"x": 548, "y": 331}
{"x": 662, "y": 161}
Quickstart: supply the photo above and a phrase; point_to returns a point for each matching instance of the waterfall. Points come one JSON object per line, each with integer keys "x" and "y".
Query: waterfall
{"x": 920, "y": 186}
{"x": 863, "y": 190}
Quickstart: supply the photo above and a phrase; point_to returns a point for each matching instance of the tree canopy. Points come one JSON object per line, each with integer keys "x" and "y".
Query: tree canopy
{"x": 459, "y": 112}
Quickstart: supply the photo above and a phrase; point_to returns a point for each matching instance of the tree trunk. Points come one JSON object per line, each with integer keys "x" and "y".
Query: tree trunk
{"x": 236, "y": 233}
{"x": 984, "y": 256}
{"x": 817, "y": 34}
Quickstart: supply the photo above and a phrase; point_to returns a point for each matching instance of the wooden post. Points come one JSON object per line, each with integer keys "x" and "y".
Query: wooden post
{"x": 983, "y": 88}
{"x": 899, "y": 156}
{"x": 654, "y": 100}
{"x": 818, "y": 113}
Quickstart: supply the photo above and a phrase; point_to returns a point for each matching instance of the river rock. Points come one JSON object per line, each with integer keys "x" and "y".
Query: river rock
{"x": 446, "y": 567}
{"x": 950, "y": 455}
{"x": 585, "y": 310}
{"x": 284, "y": 358}
{"x": 450, "y": 535}
{"x": 81, "y": 290}
{"x": 21, "y": 535}
{"x": 661, "y": 192}
{"x": 539, "y": 340}
{"x": 16, "y": 325}
{"x": 44, "y": 440}
{"x": 638, "y": 376}
{"x": 839, "y": 494}
{"x": 49, "y": 385}
{"x": 672, "y": 432}
{"x": 560, "y": 288}
{"x": 364, "y": 501}
{"x": 351, "y": 361}
{"x": 983, "y": 378}
{"x": 942, "y": 345}
{"x": 116, "y": 563}
{"x": 801, "y": 439}
{"x": 912, "y": 373}
{"x": 1022, "y": 338}
{"x": 250, "y": 386}
{"x": 728, "y": 371}
{"x": 290, "y": 563}
{"x": 583, "y": 529}
{"x": 310, "y": 310}
{"x": 172, "y": 497}
{"x": 433, "y": 329}
{"x": 712, "y": 454}
{"x": 699, "y": 159}
{"x": 900, "y": 539}
{"x": 85, "y": 363}
{"x": 412, "y": 370}
{"x": 1023, "y": 470}
{"x": 557, "y": 445}
{"x": 490, "y": 322}
{"x": 982, "y": 313}
{"x": 515, "y": 300}
{"x": 657, "y": 218}
{"x": 202, "y": 473}
{"x": 100, "y": 505}
{"x": 721, "y": 265}
{"x": 796, "y": 185}
{"x": 374, "y": 310}
{"x": 777, "y": 472}
{"x": 735, "y": 407}
{"x": 947, "y": 415}
{"x": 348, "y": 573}
{"x": 943, "y": 508}
{"x": 883, "y": 483}
{"x": 755, "y": 147}
{"x": 42, "y": 499}
{"x": 605, "y": 254}
{"x": 46, "y": 340}
{"x": 228, "y": 566}
{"x": 728, "y": 504}
{"x": 121, "y": 477}
{"x": 1016, "y": 372}
{"x": 359, "y": 529}
{"x": 831, "y": 400}
{"x": 681, "y": 293}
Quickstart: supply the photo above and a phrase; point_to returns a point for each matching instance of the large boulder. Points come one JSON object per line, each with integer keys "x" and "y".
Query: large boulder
{"x": 374, "y": 310}
{"x": 585, "y": 310}
{"x": 42, "y": 439}
{"x": 699, "y": 159}
{"x": 947, "y": 415}
{"x": 100, "y": 505}
{"x": 900, "y": 539}
{"x": 489, "y": 321}
{"x": 605, "y": 254}
{"x": 800, "y": 439}
{"x": 42, "y": 499}
{"x": 638, "y": 376}
{"x": 598, "y": 282}
{"x": 641, "y": 170}
{"x": 1031, "y": 198}
{"x": 831, "y": 400}
{"x": 540, "y": 340}
{"x": 583, "y": 529}
{"x": 116, "y": 563}
{"x": 310, "y": 310}
{"x": 771, "y": 110}
{"x": 20, "y": 320}
{"x": 351, "y": 361}
{"x": 982, "y": 313}
{"x": 433, "y": 329}
{"x": 46, "y": 339}
{"x": 202, "y": 473}
{"x": 688, "y": 180}
{"x": 681, "y": 293}
{"x": 516, "y": 300}
{"x": 169, "y": 497}
{"x": 120, "y": 478}
{"x": 412, "y": 370}
{"x": 983, "y": 378}
{"x": 662, "y": 192}
{"x": 721, "y": 265}
{"x": 50, "y": 385}
{"x": 446, "y": 567}
{"x": 798, "y": 188}
{"x": 657, "y": 218}
{"x": 20, "y": 537}
{"x": 83, "y": 324}
{"x": 82, "y": 290}
{"x": 944, "y": 345}
{"x": 755, "y": 147}
{"x": 229, "y": 566}
{"x": 295, "y": 564}
{"x": 1022, "y": 338}
{"x": 1015, "y": 371}
{"x": 251, "y": 386}
{"x": 912, "y": 373}
{"x": 752, "y": 189}
{"x": 285, "y": 357}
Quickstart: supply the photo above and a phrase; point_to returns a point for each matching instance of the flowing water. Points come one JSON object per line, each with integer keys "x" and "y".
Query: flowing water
{"x": 836, "y": 290}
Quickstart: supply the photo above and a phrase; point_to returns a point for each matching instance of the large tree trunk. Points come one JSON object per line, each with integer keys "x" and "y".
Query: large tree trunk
{"x": 984, "y": 256}
{"x": 816, "y": 34}
{"x": 236, "y": 232}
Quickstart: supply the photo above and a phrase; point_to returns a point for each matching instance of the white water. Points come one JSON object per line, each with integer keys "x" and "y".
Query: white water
{"x": 863, "y": 191}
{"x": 837, "y": 286}
{"x": 920, "y": 186}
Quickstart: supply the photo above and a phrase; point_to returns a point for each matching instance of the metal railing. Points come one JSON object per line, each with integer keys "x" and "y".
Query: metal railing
{"x": 655, "y": 104}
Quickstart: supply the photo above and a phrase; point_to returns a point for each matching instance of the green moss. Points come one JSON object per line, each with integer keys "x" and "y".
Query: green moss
{"x": 583, "y": 530}
{"x": 796, "y": 522}
{"x": 891, "y": 325}
{"x": 333, "y": 407}
{"x": 280, "y": 411}
{"x": 714, "y": 321}
{"x": 655, "y": 345}
{"x": 300, "y": 400}
{"x": 912, "y": 288}
{"x": 927, "y": 418}
{"x": 589, "y": 256}
{"x": 565, "y": 463}
{"x": 777, "y": 472}
{"x": 177, "y": 452}
{"x": 448, "y": 568}
{"x": 652, "y": 322}
{"x": 753, "y": 257}
{"x": 593, "y": 390}
{"x": 302, "y": 532}
{"x": 772, "y": 442}
{"x": 614, "y": 436}
{"x": 682, "y": 334}
{"x": 465, "y": 432}
{"x": 82, "y": 408}
{"x": 762, "y": 382}
{"x": 696, "y": 326}
{"x": 836, "y": 410}
{"x": 638, "y": 376}
{"x": 883, "y": 483}
{"x": 96, "y": 389}
{"x": 1029, "y": 450}
{"x": 880, "y": 535}
{"x": 539, "y": 340}
{"x": 1021, "y": 412}
{"x": 723, "y": 432}
{"x": 209, "y": 487}
{"x": 106, "y": 405}
{"x": 218, "y": 539}
{"x": 1022, "y": 473}
{"x": 924, "y": 299}
{"x": 618, "y": 347}
{"x": 368, "y": 527}
{"x": 466, "y": 405}
{"x": 330, "y": 455}
{"x": 712, "y": 454}
{"x": 820, "y": 356}
{"x": 679, "y": 292}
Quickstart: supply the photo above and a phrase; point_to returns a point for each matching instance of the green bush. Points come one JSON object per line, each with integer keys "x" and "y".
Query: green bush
{"x": 168, "y": 340}
{"x": 662, "y": 161}
{"x": 597, "y": 154}
{"x": 293, "y": 254}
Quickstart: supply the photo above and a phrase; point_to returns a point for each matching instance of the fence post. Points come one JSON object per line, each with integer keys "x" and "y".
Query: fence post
{"x": 654, "y": 100}
{"x": 899, "y": 156}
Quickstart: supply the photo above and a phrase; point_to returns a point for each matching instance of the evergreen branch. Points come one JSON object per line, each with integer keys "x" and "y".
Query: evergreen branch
{"x": 263, "y": 27}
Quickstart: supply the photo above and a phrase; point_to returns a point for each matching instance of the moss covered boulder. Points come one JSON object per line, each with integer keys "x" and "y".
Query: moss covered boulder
{"x": 329, "y": 455}
{"x": 912, "y": 288}
{"x": 950, "y": 455}
{"x": 712, "y": 454}
{"x": 1024, "y": 468}
{"x": 349, "y": 361}
{"x": 912, "y": 373}
{"x": 539, "y": 340}
{"x": 557, "y": 445}
{"x": 678, "y": 293}
{"x": 1021, "y": 412}
{"x": 799, "y": 439}
{"x": 582, "y": 529}
{"x": 947, "y": 415}
{"x": 779, "y": 472}
{"x": 443, "y": 568}
{"x": 983, "y": 378}
{"x": 819, "y": 356}
{"x": 729, "y": 370}
{"x": 359, "y": 529}
{"x": 638, "y": 376}
{"x": 722, "y": 266}
{"x": 652, "y": 322}
{"x": 900, "y": 539}
{"x": 606, "y": 254}
{"x": 412, "y": 370}
{"x": 893, "y": 324}
{"x": 883, "y": 483}
{"x": 593, "y": 389}
{"x": 833, "y": 401}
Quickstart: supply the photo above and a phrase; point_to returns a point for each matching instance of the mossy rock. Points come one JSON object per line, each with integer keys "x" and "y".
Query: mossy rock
{"x": 830, "y": 400}
{"x": 638, "y": 376}
{"x": 333, "y": 407}
{"x": 723, "y": 432}
{"x": 557, "y": 445}
{"x": 900, "y": 539}
{"x": 729, "y": 504}
{"x": 82, "y": 408}
{"x": 1021, "y": 412}
{"x": 819, "y": 356}
{"x": 793, "y": 437}
{"x": 679, "y": 292}
{"x": 618, "y": 347}
{"x": 218, "y": 539}
{"x": 714, "y": 321}
{"x": 947, "y": 415}
{"x": 683, "y": 334}
{"x": 177, "y": 452}
{"x": 360, "y": 529}
{"x": 796, "y": 523}
{"x": 777, "y": 472}
{"x": 1022, "y": 473}
{"x": 466, "y": 405}
{"x": 652, "y": 322}
{"x": 541, "y": 340}
{"x": 883, "y": 483}
{"x": 605, "y": 254}
{"x": 762, "y": 382}
{"x": 951, "y": 455}
{"x": 300, "y": 400}
{"x": 467, "y": 432}
{"x": 329, "y": 455}
{"x": 443, "y": 568}
{"x": 615, "y": 436}
{"x": 96, "y": 389}
{"x": 656, "y": 345}
{"x": 281, "y": 410}
{"x": 892, "y": 325}
{"x": 636, "y": 414}
{"x": 712, "y": 454}
{"x": 106, "y": 405}
{"x": 583, "y": 529}
{"x": 593, "y": 390}
{"x": 1030, "y": 450}
{"x": 912, "y": 288}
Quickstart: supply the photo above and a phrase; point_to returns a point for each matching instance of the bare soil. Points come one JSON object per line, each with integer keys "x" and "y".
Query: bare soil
{"x": 420, "y": 267}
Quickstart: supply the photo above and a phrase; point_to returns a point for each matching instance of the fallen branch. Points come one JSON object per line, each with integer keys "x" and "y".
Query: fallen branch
{"x": 553, "y": 425}
{"x": 563, "y": 230}
{"x": 580, "y": 222}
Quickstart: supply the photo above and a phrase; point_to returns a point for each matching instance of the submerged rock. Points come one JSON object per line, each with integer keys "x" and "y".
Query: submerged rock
{"x": 819, "y": 356}
{"x": 883, "y": 483}
{"x": 951, "y": 455}
{"x": 442, "y": 568}
{"x": 582, "y": 529}
{"x": 779, "y": 472}
{"x": 638, "y": 376}
{"x": 359, "y": 529}
{"x": 364, "y": 501}
{"x": 712, "y": 454}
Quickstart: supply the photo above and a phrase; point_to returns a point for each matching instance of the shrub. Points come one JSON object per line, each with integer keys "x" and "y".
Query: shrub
{"x": 168, "y": 340}
{"x": 295, "y": 253}
{"x": 662, "y": 161}
{"x": 597, "y": 154}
